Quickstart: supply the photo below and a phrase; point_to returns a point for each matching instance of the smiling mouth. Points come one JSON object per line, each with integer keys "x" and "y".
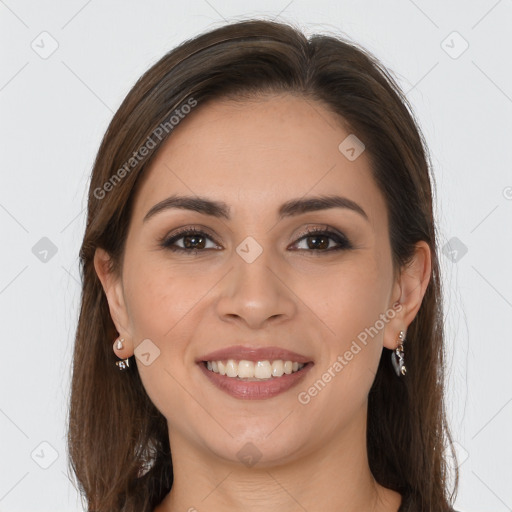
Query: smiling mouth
{"x": 254, "y": 380}
{"x": 244, "y": 370}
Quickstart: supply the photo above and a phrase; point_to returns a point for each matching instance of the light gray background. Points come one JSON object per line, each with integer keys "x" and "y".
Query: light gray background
{"x": 55, "y": 109}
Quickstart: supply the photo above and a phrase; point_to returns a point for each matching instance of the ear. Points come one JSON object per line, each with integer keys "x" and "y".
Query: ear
{"x": 113, "y": 288}
{"x": 409, "y": 291}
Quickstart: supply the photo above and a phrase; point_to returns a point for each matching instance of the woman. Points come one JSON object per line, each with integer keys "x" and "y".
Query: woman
{"x": 260, "y": 249}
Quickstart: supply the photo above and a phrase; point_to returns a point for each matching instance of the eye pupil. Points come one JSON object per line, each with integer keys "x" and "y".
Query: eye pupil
{"x": 190, "y": 244}
{"x": 320, "y": 245}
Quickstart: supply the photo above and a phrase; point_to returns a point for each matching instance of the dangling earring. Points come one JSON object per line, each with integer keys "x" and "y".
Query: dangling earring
{"x": 123, "y": 364}
{"x": 397, "y": 356}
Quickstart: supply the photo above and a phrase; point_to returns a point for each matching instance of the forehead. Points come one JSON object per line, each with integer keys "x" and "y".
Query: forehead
{"x": 258, "y": 154}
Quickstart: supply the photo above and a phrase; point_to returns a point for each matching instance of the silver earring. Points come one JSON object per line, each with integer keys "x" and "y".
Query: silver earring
{"x": 397, "y": 356}
{"x": 123, "y": 364}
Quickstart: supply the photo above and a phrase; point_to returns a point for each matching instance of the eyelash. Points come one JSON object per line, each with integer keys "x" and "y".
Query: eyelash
{"x": 343, "y": 242}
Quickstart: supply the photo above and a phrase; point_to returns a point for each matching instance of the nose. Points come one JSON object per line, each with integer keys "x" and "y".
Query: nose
{"x": 256, "y": 293}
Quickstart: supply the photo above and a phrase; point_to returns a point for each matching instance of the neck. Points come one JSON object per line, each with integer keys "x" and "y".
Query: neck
{"x": 334, "y": 476}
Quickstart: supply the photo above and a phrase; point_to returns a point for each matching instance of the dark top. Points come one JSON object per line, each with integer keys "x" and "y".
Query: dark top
{"x": 406, "y": 506}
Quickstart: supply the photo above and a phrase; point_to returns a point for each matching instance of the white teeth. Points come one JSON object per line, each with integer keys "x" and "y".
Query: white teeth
{"x": 232, "y": 368}
{"x": 245, "y": 369}
{"x": 277, "y": 368}
{"x": 263, "y": 370}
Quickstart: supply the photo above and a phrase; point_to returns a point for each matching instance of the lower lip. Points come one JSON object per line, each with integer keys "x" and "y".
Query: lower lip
{"x": 254, "y": 390}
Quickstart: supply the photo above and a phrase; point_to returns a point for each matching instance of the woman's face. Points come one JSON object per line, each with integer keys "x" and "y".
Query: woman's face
{"x": 253, "y": 279}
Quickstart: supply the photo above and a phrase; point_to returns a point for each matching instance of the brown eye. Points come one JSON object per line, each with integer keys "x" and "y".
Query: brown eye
{"x": 321, "y": 240}
{"x": 190, "y": 239}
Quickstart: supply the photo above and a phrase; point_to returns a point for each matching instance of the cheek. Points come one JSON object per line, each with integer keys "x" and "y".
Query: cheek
{"x": 159, "y": 297}
{"x": 352, "y": 305}
{"x": 160, "y": 303}
{"x": 347, "y": 298}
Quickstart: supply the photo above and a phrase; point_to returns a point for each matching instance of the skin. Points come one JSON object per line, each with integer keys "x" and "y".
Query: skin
{"x": 255, "y": 156}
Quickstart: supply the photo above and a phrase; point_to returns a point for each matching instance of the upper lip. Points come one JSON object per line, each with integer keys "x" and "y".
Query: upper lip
{"x": 240, "y": 352}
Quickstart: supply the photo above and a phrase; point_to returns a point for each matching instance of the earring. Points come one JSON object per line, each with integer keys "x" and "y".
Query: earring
{"x": 124, "y": 363}
{"x": 397, "y": 356}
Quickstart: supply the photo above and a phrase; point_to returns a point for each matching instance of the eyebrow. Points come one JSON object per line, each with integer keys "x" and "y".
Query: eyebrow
{"x": 288, "y": 209}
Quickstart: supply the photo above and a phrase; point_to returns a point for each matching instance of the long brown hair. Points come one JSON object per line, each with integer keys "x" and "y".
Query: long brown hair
{"x": 117, "y": 440}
